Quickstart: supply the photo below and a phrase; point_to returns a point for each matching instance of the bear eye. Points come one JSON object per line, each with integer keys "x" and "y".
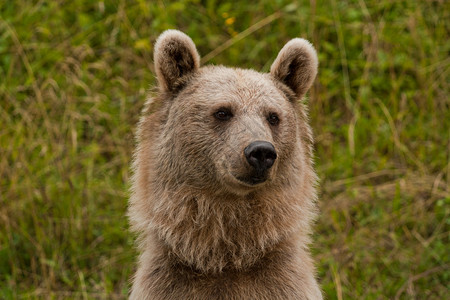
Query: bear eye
{"x": 273, "y": 119}
{"x": 223, "y": 114}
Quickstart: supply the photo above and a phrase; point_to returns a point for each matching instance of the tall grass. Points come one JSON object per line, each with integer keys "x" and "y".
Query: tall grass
{"x": 73, "y": 78}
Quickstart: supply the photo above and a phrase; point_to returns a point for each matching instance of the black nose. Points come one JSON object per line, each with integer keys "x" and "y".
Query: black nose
{"x": 260, "y": 155}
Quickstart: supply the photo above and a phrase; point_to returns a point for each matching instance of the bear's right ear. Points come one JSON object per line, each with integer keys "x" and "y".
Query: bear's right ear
{"x": 175, "y": 56}
{"x": 296, "y": 66}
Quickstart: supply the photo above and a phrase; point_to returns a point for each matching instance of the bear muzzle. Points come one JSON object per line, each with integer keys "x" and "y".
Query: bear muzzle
{"x": 261, "y": 156}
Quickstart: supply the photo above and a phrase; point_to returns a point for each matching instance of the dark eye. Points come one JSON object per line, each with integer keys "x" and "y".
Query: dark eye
{"x": 273, "y": 119}
{"x": 223, "y": 114}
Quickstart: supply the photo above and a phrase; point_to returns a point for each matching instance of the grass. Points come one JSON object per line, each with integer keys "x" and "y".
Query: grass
{"x": 73, "y": 78}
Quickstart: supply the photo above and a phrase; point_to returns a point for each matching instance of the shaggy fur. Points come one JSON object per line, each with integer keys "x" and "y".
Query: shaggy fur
{"x": 203, "y": 232}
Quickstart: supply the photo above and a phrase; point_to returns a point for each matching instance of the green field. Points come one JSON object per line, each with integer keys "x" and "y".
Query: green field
{"x": 74, "y": 77}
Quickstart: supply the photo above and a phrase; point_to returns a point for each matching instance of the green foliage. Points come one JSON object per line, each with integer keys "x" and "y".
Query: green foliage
{"x": 73, "y": 78}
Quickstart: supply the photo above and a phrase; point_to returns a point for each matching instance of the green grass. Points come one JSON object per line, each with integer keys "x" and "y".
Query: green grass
{"x": 73, "y": 78}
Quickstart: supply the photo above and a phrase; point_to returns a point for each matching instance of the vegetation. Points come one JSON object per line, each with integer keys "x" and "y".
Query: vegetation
{"x": 73, "y": 79}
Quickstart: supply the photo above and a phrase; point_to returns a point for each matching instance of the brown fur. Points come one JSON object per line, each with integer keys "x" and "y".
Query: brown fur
{"x": 204, "y": 234}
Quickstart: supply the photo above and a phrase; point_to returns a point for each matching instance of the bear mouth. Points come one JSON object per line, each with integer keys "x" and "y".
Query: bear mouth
{"x": 253, "y": 180}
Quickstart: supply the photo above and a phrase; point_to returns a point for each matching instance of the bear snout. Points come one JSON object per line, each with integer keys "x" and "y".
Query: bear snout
{"x": 260, "y": 155}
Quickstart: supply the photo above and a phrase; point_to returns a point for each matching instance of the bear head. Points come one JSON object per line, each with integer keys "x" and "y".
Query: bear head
{"x": 223, "y": 165}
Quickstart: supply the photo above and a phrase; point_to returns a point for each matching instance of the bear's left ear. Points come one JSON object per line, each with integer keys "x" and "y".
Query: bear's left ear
{"x": 296, "y": 66}
{"x": 175, "y": 56}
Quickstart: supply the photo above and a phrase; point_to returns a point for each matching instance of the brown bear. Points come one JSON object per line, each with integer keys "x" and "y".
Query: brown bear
{"x": 223, "y": 191}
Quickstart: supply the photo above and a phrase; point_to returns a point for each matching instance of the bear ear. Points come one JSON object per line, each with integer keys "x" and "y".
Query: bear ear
{"x": 296, "y": 66}
{"x": 175, "y": 56}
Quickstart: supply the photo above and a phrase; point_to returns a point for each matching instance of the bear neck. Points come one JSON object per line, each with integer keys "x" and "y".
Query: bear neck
{"x": 214, "y": 233}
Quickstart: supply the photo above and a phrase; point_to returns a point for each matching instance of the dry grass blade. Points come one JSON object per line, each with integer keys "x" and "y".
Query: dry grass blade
{"x": 411, "y": 280}
{"x": 241, "y": 35}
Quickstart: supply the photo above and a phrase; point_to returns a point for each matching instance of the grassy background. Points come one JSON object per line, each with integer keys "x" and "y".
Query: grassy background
{"x": 73, "y": 78}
